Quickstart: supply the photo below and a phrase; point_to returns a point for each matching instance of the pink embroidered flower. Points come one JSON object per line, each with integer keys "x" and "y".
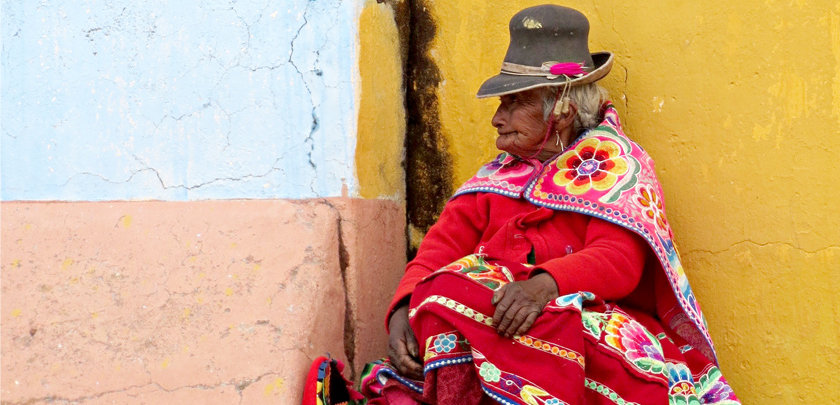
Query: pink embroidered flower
{"x": 652, "y": 207}
{"x": 592, "y": 164}
{"x": 505, "y": 166}
{"x": 636, "y": 343}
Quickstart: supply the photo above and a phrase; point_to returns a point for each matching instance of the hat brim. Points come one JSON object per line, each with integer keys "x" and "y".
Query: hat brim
{"x": 502, "y": 83}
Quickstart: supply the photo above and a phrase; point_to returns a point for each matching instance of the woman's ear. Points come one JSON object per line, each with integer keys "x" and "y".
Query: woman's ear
{"x": 569, "y": 112}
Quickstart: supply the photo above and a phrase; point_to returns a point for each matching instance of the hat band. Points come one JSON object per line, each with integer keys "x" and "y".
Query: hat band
{"x": 549, "y": 70}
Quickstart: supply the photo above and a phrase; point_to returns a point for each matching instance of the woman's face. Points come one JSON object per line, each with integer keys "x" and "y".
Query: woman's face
{"x": 520, "y": 124}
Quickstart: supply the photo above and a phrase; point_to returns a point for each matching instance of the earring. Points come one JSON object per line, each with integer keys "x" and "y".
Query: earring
{"x": 559, "y": 142}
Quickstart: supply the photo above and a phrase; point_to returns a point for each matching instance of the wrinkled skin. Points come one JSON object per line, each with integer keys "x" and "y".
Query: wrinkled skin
{"x": 518, "y": 304}
{"x": 523, "y": 131}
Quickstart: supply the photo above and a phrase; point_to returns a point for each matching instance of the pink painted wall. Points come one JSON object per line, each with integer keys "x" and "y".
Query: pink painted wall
{"x": 203, "y": 302}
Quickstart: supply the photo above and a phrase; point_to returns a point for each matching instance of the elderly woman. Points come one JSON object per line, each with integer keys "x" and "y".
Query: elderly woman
{"x": 551, "y": 276}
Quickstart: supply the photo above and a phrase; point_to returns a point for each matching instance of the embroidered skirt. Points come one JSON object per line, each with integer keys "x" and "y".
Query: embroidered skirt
{"x": 580, "y": 350}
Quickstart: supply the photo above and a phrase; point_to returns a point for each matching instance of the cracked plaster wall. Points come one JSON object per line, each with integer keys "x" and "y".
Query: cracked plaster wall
{"x": 178, "y": 100}
{"x": 250, "y": 107}
{"x": 738, "y": 103}
{"x": 204, "y": 302}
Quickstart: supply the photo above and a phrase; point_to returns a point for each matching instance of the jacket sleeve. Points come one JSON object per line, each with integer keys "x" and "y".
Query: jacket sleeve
{"x": 610, "y": 264}
{"x": 455, "y": 234}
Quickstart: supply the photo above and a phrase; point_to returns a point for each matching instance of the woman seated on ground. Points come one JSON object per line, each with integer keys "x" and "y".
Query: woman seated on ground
{"x": 551, "y": 276}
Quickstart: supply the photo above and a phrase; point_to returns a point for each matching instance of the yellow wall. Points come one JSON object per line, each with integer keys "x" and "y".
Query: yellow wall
{"x": 381, "y": 130}
{"x": 739, "y": 103}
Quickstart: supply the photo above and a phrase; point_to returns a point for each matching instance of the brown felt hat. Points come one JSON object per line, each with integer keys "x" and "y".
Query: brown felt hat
{"x": 548, "y": 47}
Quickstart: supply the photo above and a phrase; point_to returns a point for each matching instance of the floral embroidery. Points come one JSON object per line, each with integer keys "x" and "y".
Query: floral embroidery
{"x": 553, "y": 348}
{"x": 446, "y": 349}
{"x": 505, "y": 175}
{"x": 532, "y": 394}
{"x": 593, "y": 164}
{"x": 444, "y": 343}
{"x": 575, "y": 299}
{"x": 593, "y": 323}
{"x": 607, "y": 392}
{"x": 686, "y": 295}
{"x": 504, "y": 167}
{"x": 652, "y": 208}
{"x": 677, "y": 373}
{"x": 475, "y": 267}
{"x": 712, "y": 387}
{"x": 607, "y": 187}
{"x": 636, "y": 343}
{"x": 489, "y": 372}
{"x": 626, "y": 203}
{"x": 681, "y": 385}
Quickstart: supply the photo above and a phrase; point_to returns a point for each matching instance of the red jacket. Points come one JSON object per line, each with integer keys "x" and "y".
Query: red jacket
{"x": 582, "y": 253}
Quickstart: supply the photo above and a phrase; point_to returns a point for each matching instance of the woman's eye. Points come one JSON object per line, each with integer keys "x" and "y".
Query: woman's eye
{"x": 508, "y": 100}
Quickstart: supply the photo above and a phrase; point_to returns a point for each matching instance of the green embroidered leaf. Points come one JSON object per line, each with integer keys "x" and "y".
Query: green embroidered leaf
{"x": 644, "y": 363}
{"x": 612, "y": 135}
{"x": 592, "y": 323}
{"x": 705, "y": 382}
{"x": 651, "y": 365}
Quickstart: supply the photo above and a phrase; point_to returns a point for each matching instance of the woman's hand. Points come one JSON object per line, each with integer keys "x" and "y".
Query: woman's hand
{"x": 518, "y": 304}
{"x": 402, "y": 345}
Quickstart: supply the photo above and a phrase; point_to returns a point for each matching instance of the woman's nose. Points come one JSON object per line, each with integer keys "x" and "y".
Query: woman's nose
{"x": 498, "y": 118}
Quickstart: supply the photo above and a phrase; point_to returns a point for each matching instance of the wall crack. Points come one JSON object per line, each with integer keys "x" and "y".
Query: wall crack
{"x": 349, "y": 316}
{"x": 760, "y": 244}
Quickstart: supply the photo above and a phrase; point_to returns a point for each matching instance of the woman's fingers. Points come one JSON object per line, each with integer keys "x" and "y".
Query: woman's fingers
{"x": 401, "y": 358}
{"x": 402, "y": 345}
{"x": 414, "y": 368}
{"x": 502, "y": 307}
{"x": 506, "y": 311}
{"x": 516, "y": 310}
{"x": 529, "y": 321}
{"x": 507, "y": 317}
{"x": 498, "y": 294}
{"x": 411, "y": 343}
{"x": 410, "y": 368}
{"x": 518, "y": 319}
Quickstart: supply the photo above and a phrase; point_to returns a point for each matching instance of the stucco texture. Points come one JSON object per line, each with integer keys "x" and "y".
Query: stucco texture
{"x": 203, "y": 302}
{"x": 381, "y": 131}
{"x": 178, "y": 100}
{"x": 738, "y": 102}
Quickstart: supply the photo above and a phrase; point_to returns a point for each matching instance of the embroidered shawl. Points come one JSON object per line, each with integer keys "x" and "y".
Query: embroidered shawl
{"x": 606, "y": 175}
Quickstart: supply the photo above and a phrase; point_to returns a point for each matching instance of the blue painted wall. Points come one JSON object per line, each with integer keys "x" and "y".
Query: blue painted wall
{"x": 177, "y": 100}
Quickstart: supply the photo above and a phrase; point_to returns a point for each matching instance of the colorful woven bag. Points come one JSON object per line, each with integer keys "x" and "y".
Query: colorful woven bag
{"x": 325, "y": 385}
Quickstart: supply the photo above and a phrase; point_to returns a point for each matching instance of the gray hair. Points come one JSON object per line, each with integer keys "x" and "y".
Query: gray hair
{"x": 588, "y": 99}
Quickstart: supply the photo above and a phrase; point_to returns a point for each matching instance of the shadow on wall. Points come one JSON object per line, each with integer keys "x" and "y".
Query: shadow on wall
{"x": 428, "y": 165}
